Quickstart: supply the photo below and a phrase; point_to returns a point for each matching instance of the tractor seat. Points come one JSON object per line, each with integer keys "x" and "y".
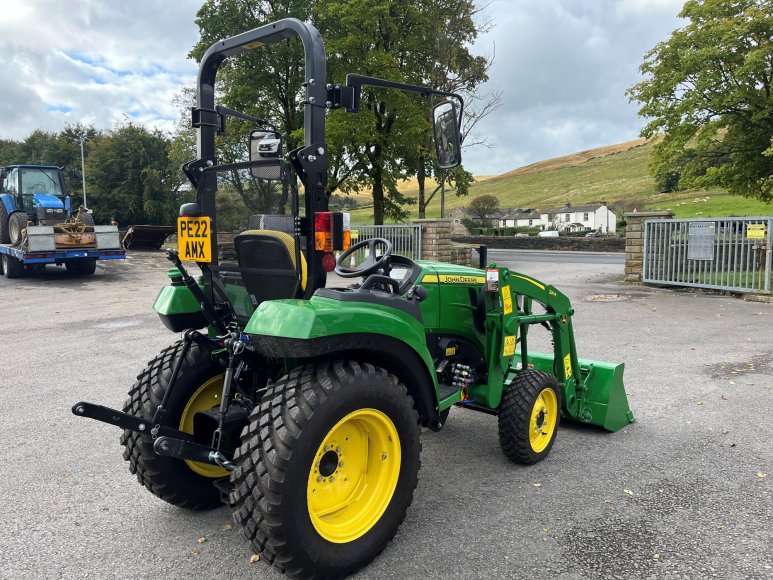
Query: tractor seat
{"x": 267, "y": 263}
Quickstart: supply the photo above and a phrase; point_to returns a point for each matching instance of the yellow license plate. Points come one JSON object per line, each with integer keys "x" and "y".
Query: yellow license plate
{"x": 193, "y": 238}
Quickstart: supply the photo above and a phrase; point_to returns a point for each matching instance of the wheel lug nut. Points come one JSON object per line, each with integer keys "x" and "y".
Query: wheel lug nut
{"x": 338, "y": 450}
{"x": 332, "y": 479}
{"x": 320, "y": 479}
{"x": 340, "y": 464}
{"x": 383, "y": 456}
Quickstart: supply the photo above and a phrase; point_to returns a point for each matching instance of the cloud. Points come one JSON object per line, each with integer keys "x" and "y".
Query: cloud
{"x": 93, "y": 62}
{"x": 563, "y": 68}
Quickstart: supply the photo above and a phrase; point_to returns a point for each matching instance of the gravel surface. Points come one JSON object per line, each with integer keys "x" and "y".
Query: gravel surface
{"x": 682, "y": 493}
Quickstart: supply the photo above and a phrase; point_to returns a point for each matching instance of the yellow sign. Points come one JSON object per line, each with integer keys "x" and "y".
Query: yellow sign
{"x": 193, "y": 238}
{"x": 567, "y": 366}
{"x": 755, "y": 232}
{"x": 507, "y": 300}
{"x": 509, "y": 349}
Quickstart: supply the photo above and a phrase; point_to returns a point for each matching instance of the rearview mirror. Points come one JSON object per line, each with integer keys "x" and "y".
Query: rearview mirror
{"x": 447, "y": 142}
{"x": 265, "y": 144}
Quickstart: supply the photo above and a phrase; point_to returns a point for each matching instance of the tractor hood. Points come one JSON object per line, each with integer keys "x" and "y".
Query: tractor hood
{"x": 47, "y": 201}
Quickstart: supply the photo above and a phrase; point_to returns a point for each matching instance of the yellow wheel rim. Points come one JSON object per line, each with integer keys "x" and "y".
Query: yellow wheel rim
{"x": 544, "y": 417}
{"x": 205, "y": 397}
{"x": 353, "y": 475}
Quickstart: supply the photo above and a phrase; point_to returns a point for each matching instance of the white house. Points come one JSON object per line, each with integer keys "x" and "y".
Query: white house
{"x": 595, "y": 217}
{"x": 523, "y": 218}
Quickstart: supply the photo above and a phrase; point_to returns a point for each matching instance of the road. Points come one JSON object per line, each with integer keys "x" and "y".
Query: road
{"x": 530, "y": 256}
{"x": 681, "y": 493}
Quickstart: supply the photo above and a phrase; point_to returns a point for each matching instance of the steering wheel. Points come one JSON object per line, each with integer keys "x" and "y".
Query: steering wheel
{"x": 371, "y": 263}
{"x": 39, "y": 186}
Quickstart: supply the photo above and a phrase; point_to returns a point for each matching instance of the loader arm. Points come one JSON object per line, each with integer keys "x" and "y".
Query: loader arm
{"x": 593, "y": 391}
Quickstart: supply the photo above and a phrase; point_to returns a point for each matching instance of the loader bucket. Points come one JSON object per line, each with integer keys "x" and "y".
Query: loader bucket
{"x": 604, "y": 403}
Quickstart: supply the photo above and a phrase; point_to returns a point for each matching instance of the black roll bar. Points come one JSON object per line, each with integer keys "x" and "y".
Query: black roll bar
{"x": 313, "y": 156}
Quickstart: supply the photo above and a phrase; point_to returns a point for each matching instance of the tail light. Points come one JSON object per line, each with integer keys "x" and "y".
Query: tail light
{"x": 332, "y": 231}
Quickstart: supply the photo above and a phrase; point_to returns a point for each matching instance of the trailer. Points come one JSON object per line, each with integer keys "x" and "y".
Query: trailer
{"x": 44, "y": 245}
{"x": 37, "y": 226}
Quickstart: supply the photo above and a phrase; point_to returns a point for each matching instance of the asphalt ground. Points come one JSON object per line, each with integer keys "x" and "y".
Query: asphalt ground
{"x": 681, "y": 493}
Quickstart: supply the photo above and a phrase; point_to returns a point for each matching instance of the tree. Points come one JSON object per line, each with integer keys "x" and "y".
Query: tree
{"x": 131, "y": 178}
{"x": 396, "y": 39}
{"x": 708, "y": 89}
{"x": 483, "y": 205}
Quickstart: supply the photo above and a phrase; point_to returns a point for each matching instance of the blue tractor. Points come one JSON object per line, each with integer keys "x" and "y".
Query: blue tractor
{"x": 32, "y": 195}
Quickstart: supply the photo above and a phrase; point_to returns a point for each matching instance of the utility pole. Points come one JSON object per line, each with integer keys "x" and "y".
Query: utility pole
{"x": 83, "y": 170}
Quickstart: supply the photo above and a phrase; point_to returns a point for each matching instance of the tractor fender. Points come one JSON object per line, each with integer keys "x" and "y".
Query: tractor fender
{"x": 8, "y": 202}
{"x": 325, "y": 328}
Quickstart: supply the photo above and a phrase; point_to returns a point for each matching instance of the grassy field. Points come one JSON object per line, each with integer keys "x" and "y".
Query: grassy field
{"x": 617, "y": 174}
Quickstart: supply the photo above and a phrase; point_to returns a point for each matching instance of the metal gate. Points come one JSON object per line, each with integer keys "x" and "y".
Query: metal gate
{"x": 405, "y": 238}
{"x": 727, "y": 253}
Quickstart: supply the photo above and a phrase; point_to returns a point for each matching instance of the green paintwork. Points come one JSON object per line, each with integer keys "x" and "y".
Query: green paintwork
{"x": 593, "y": 391}
{"x": 606, "y": 404}
{"x": 175, "y": 300}
{"x": 322, "y": 317}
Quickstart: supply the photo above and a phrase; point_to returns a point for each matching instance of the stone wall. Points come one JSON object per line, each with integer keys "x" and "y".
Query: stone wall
{"x": 600, "y": 244}
{"x": 634, "y": 241}
{"x": 436, "y": 244}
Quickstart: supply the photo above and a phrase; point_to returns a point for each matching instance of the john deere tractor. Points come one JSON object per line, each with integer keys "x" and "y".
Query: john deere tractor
{"x": 301, "y": 406}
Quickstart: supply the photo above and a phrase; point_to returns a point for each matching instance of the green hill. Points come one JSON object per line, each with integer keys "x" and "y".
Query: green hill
{"x": 617, "y": 174}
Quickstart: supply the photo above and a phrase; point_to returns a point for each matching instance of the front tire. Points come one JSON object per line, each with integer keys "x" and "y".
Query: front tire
{"x": 16, "y": 225}
{"x": 327, "y": 468}
{"x": 529, "y": 415}
{"x": 198, "y": 388}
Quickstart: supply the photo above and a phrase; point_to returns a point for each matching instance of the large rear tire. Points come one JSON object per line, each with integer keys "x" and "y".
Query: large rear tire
{"x": 529, "y": 416}
{"x": 17, "y": 223}
{"x": 198, "y": 388}
{"x": 327, "y": 468}
{"x": 4, "y": 237}
{"x": 88, "y": 219}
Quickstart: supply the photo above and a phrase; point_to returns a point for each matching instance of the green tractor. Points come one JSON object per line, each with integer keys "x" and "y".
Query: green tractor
{"x": 301, "y": 406}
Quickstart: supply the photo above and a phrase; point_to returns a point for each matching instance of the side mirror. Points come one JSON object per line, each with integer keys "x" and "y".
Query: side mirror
{"x": 190, "y": 210}
{"x": 266, "y": 155}
{"x": 67, "y": 205}
{"x": 265, "y": 144}
{"x": 447, "y": 141}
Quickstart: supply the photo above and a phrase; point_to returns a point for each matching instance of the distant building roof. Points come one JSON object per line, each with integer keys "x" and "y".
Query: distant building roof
{"x": 573, "y": 208}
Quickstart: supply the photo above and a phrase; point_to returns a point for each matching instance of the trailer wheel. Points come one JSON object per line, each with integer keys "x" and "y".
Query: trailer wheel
{"x": 12, "y": 268}
{"x": 327, "y": 468}
{"x": 198, "y": 387}
{"x": 4, "y": 237}
{"x": 529, "y": 416}
{"x": 87, "y": 266}
{"x": 16, "y": 225}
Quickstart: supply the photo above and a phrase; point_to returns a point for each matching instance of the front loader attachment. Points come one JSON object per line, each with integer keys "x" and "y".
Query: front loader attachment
{"x": 601, "y": 394}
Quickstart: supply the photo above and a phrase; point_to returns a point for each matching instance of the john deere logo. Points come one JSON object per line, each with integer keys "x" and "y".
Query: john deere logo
{"x": 457, "y": 279}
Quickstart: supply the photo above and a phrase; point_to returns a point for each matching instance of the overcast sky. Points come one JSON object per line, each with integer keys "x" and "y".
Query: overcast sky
{"x": 563, "y": 67}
